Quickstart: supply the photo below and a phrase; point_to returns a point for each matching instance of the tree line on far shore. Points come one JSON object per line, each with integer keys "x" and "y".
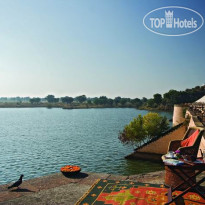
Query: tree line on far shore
{"x": 165, "y": 102}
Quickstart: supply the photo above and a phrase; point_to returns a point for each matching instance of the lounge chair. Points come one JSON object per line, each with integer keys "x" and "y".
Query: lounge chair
{"x": 190, "y": 143}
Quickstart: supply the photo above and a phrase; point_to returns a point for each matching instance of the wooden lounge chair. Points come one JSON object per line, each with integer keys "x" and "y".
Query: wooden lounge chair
{"x": 188, "y": 150}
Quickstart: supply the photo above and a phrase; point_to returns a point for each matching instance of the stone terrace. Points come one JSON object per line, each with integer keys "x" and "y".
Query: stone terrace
{"x": 58, "y": 189}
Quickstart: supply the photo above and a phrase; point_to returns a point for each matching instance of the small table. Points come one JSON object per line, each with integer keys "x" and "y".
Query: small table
{"x": 179, "y": 170}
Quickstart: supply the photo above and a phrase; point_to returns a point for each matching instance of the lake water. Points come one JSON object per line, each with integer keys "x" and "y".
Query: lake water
{"x": 38, "y": 141}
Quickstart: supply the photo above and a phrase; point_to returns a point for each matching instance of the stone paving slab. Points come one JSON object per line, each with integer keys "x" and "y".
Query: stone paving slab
{"x": 54, "y": 180}
{"x": 92, "y": 177}
{"x": 25, "y": 189}
{"x": 67, "y": 194}
{"x": 117, "y": 177}
{"x": 153, "y": 177}
{"x": 58, "y": 189}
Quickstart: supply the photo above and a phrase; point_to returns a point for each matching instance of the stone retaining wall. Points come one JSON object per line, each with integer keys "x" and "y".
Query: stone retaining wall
{"x": 161, "y": 145}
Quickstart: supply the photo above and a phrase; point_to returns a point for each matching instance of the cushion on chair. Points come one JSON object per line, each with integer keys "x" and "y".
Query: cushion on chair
{"x": 190, "y": 140}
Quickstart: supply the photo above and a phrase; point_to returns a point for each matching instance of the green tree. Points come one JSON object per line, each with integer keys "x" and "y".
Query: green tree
{"x": 56, "y": 100}
{"x": 137, "y": 102}
{"x": 154, "y": 124}
{"x": 50, "y": 98}
{"x": 150, "y": 103}
{"x": 144, "y": 100}
{"x": 96, "y": 101}
{"x": 157, "y": 98}
{"x": 117, "y": 100}
{"x": 35, "y": 100}
{"x": 103, "y": 100}
{"x": 67, "y": 99}
{"x": 171, "y": 97}
{"x": 81, "y": 98}
{"x": 134, "y": 132}
{"x": 110, "y": 102}
{"x": 89, "y": 101}
{"x": 142, "y": 129}
{"x": 123, "y": 101}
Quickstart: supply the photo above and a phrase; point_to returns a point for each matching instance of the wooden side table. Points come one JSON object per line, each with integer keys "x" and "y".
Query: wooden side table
{"x": 192, "y": 185}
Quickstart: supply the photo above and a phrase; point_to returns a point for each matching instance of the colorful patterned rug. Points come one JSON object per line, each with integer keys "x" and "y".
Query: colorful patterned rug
{"x": 112, "y": 192}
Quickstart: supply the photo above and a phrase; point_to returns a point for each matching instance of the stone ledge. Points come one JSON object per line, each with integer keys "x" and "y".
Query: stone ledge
{"x": 145, "y": 156}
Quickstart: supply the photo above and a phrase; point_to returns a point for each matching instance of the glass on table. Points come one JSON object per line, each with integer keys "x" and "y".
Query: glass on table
{"x": 170, "y": 154}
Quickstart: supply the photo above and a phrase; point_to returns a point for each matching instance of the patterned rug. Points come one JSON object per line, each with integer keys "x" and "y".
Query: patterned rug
{"x": 112, "y": 192}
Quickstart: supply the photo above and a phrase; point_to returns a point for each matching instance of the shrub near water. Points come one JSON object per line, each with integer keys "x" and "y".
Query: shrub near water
{"x": 142, "y": 129}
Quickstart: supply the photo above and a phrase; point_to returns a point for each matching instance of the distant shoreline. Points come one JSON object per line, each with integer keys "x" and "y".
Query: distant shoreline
{"x": 68, "y": 106}
{"x": 57, "y": 105}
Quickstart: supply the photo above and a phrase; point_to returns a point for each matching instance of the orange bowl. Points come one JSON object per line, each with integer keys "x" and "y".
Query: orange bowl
{"x": 70, "y": 169}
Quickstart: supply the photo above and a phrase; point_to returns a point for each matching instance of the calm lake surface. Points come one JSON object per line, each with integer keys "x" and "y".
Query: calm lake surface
{"x": 38, "y": 141}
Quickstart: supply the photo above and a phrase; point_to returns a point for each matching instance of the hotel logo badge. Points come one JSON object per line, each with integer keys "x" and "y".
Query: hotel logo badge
{"x": 169, "y": 18}
{"x": 173, "y": 21}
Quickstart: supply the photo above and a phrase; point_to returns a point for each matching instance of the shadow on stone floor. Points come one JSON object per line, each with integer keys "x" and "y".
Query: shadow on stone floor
{"x": 21, "y": 190}
{"x": 76, "y": 176}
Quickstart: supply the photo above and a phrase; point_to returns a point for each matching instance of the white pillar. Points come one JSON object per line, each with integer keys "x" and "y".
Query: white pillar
{"x": 178, "y": 115}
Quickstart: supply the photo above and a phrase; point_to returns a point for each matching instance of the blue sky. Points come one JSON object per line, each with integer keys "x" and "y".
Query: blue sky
{"x": 74, "y": 47}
